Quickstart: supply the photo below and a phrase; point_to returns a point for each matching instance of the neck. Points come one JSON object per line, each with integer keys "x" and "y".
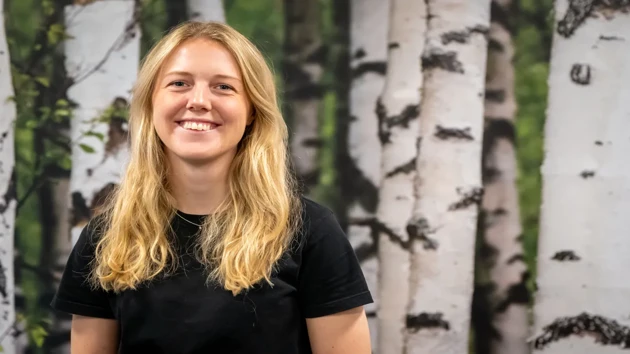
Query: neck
{"x": 198, "y": 189}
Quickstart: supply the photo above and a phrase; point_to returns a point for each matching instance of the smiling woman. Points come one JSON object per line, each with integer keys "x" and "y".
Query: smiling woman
{"x": 207, "y": 246}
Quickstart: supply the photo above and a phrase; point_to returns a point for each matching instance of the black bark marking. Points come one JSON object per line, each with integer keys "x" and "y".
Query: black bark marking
{"x": 580, "y": 10}
{"x": 495, "y": 46}
{"x": 565, "y": 256}
{"x": 386, "y": 123}
{"x": 426, "y": 320}
{"x": 464, "y": 36}
{"x": 318, "y": 55}
{"x": 358, "y": 186}
{"x": 313, "y": 143}
{"x": 418, "y": 229}
{"x": 393, "y": 45}
{"x": 300, "y": 85}
{"x": 365, "y": 251}
{"x": 496, "y": 96}
{"x": 587, "y": 174}
{"x": 610, "y": 38}
{"x": 446, "y": 61}
{"x": 455, "y": 133}
{"x": 581, "y": 74}
{"x": 520, "y": 238}
{"x": 378, "y": 227}
{"x": 359, "y": 54}
{"x": 604, "y": 330}
{"x": 9, "y": 195}
{"x": 491, "y": 216}
{"x": 472, "y": 197}
{"x": 370, "y": 314}
{"x": 517, "y": 294}
{"x": 377, "y": 67}
{"x": 481, "y": 318}
{"x": 516, "y": 258}
{"x": 3, "y": 280}
{"x": 599, "y": 143}
{"x": 408, "y": 167}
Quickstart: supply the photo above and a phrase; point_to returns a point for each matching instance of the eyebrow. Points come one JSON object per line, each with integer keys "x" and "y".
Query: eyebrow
{"x": 186, "y": 73}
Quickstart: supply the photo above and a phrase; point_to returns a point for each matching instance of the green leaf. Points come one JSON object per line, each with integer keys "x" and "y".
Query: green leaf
{"x": 55, "y": 33}
{"x": 87, "y": 148}
{"x": 65, "y": 163}
{"x": 43, "y": 80}
{"x": 38, "y": 333}
{"x": 62, "y": 112}
{"x": 99, "y": 136}
{"x": 62, "y": 103}
{"x": 31, "y": 124}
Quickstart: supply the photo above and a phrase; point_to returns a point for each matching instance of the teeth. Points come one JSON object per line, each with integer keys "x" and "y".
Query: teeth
{"x": 198, "y": 126}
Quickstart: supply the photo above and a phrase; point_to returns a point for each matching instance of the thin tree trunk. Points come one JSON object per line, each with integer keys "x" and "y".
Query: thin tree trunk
{"x": 103, "y": 71}
{"x": 176, "y": 12}
{"x": 398, "y": 131}
{"x": 503, "y": 258}
{"x": 360, "y": 169}
{"x": 303, "y": 68}
{"x": 8, "y": 200}
{"x": 206, "y": 10}
{"x": 582, "y": 299}
{"x": 449, "y": 188}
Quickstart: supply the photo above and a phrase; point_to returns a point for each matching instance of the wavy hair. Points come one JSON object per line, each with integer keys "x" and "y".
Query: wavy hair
{"x": 242, "y": 241}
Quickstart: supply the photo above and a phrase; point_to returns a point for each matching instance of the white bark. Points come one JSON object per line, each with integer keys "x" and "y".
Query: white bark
{"x": 368, "y": 51}
{"x": 104, "y": 65}
{"x": 206, "y": 10}
{"x": 8, "y": 202}
{"x": 449, "y": 187}
{"x": 399, "y": 133}
{"x": 508, "y": 295}
{"x": 583, "y": 243}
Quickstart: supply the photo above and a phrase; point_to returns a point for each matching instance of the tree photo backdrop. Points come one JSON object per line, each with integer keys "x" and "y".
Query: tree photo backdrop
{"x": 473, "y": 151}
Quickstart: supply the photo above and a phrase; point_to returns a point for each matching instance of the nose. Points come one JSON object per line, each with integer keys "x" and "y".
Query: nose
{"x": 199, "y": 99}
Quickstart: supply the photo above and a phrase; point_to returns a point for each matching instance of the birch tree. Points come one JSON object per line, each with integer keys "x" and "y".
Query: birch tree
{"x": 449, "y": 189}
{"x": 502, "y": 255}
{"x": 582, "y": 299}
{"x": 398, "y": 131}
{"x": 8, "y": 201}
{"x": 303, "y": 69}
{"x": 368, "y": 50}
{"x": 205, "y": 10}
{"x": 104, "y": 66}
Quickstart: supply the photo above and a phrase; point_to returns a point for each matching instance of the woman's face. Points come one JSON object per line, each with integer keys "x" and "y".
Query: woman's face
{"x": 200, "y": 108}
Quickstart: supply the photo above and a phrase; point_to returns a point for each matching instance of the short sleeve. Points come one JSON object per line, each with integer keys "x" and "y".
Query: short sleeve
{"x": 330, "y": 276}
{"x": 75, "y": 295}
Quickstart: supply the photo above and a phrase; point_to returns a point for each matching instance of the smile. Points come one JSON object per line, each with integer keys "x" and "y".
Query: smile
{"x": 197, "y": 126}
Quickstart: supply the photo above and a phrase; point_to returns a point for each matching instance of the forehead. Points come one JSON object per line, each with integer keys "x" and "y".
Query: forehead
{"x": 201, "y": 55}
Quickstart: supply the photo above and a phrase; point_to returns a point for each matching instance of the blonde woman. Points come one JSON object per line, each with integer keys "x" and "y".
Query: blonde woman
{"x": 206, "y": 247}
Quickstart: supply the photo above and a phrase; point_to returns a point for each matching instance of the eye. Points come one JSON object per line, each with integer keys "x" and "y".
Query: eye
{"x": 224, "y": 87}
{"x": 177, "y": 83}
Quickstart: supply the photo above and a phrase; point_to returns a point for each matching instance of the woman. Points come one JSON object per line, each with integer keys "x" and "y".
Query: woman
{"x": 206, "y": 247}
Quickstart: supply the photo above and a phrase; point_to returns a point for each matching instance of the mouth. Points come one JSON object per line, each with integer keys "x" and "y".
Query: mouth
{"x": 200, "y": 126}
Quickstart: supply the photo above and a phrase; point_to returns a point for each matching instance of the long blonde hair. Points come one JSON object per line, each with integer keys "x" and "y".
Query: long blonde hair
{"x": 240, "y": 243}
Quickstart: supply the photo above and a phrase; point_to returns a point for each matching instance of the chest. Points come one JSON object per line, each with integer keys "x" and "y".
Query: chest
{"x": 185, "y": 314}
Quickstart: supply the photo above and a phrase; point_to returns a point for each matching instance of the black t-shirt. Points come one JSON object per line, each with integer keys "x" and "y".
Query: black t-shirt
{"x": 179, "y": 314}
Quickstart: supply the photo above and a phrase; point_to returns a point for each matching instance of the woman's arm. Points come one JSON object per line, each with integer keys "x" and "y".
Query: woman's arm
{"x": 91, "y": 335}
{"x": 341, "y": 333}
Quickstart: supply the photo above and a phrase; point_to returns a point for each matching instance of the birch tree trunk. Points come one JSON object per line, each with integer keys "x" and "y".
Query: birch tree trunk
{"x": 449, "y": 191}
{"x": 362, "y": 170}
{"x": 8, "y": 201}
{"x": 398, "y": 131}
{"x": 104, "y": 66}
{"x": 582, "y": 300}
{"x": 303, "y": 68}
{"x": 206, "y": 10}
{"x": 502, "y": 255}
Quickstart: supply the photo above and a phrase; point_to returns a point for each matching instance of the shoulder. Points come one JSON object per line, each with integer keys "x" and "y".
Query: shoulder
{"x": 318, "y": 218}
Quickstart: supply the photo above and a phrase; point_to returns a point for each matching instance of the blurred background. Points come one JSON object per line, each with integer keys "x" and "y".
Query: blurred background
{"x": 72, "y": 71}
